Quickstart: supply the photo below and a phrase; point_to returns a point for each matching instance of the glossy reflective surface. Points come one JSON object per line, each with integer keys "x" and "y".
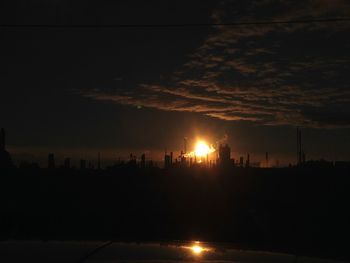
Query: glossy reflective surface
{"x": 53, "y": 251}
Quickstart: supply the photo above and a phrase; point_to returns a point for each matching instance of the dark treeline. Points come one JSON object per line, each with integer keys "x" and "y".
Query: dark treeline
{"x": 297, "y": 210}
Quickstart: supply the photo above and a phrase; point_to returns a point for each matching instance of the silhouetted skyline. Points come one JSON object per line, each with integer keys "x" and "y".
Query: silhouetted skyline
{"x": 224, "y": 121}
{"x": 82, "y": 90}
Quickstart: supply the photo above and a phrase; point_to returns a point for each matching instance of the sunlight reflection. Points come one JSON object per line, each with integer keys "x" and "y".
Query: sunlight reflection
{"x": 197, "y": 248}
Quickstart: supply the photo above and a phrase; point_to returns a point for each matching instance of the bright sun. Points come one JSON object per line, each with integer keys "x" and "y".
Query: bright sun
{"x": 197, "y": 249}
{"x": 202, "y": 149}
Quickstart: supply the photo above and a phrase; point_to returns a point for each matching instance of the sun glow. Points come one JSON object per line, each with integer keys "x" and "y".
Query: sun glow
{"x": 202, "y": 149}
{"x": 197, "y": 249}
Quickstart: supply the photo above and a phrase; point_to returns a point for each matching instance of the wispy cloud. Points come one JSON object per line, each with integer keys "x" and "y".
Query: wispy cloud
{"x": 272, "y": 75}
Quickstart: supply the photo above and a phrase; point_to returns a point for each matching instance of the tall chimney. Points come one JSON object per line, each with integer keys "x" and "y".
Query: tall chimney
{"x": 298, "y": 145}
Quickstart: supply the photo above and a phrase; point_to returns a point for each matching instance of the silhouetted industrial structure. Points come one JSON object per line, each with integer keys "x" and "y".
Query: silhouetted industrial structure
{"x": 99, "y": 161}
{"x": 5, "y": 157}
{"x": 168, "y": 159}
{"x": 51, "y": 161}
{"x": 247, "y": 162}
{"x": 241, "y": 160}
{"x": 2, "y": 139}
{"x": 301, "y": 157}
{"x": 82, "y": 164}
{"x": 143, "y": 161}
{"x": 66, "y": 163}
{"x": 224, "y": 154}
{"x": 184, "y": 159}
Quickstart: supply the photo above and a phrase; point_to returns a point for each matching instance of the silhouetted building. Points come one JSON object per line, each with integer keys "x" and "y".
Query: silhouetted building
{"x": 183, "y": 159}
{"x": 247, "y": 162}
{"x": 66, "y": 163}
{"x": 82, "y": 164}
{"x": 224, "y": 154}
{"x": 143, "y": 160}
{"x": 167, "y": 160}
{"x": 90, "y": 165}
{"x": 267, "y": 159}
{"x": 5, "y": 157}
{"x": 51, "y": 161}
{"x": 132, "y": 161}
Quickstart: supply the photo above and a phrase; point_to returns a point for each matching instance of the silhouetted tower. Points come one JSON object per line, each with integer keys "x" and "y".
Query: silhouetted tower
{"x": 185, "y": 145}
{"x": 299, "y": 147}
{"x": 182, "y": 158}
{"x": 167, "y": 160}
{"x": 224, "y": 154}
{"x": 171, "y": 157}
{"x": 51, "y": 161}
{"x": 99, "y": 161}
{"x": 2, "y": 140}
{"x": 247, "y": 162}
{"x": 67, "y": 163}
{"x": 143, "y": 160}
{"x": 267, "y": 159}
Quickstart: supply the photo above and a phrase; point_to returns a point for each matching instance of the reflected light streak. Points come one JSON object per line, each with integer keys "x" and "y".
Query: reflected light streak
{"x": 197, "y": 249}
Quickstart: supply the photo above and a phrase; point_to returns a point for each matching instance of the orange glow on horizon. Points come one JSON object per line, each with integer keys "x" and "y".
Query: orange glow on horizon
{"x": 197, "y": 249}
{"x": 201, "y": 150}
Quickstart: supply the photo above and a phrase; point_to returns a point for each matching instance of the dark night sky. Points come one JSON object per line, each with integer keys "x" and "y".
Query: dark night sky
{"x": 76, "y": 91}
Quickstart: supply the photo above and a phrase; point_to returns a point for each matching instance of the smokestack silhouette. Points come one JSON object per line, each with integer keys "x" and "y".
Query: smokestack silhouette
{"x": 247, "y": 163}
{"x": 2, "y": 139}
{"x": 299, "y": 147}
{"x": 99, "y": 161}
{"x": 267, "y": 159}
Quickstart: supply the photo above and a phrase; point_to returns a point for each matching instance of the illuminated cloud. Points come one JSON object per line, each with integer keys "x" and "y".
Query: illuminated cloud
{"x": 290, "y": 74}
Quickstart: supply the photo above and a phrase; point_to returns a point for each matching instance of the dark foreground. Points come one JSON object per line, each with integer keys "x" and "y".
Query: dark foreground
{"x": 85, "y": 252}
{"x": 297, "y": 211}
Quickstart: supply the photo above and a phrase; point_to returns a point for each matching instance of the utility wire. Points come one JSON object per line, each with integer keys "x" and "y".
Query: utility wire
{"x": 231, "y": 24}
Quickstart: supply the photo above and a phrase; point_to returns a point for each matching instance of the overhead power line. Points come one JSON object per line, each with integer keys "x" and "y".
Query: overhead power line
{"x": 230, "y": 24}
